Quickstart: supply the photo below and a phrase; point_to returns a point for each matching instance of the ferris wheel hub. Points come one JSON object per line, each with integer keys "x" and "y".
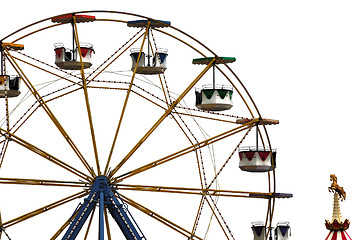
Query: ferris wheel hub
{"x": 106, "y": 197}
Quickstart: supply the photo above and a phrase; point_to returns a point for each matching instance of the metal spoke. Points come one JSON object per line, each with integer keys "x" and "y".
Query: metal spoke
{"x": 215, "y": 211}
{"x": 185, "y": 151}
{"x": 89, "y": 224}
{"x": 229, "y": 158}
{"x": 23, "y": 181}
{"x": 3, "y": 151}
{"x": 65, "y": 225}
{"x": 86, "y": 96}
{"x": 198, "y": 216}
{"x": 126, "y": 101}
{"x": 159, "y": 218}
{"x": 45, "y": 155}
{"x": 44, "y": 70}
{"x": 160, "y": 120}
{"x": 193, "y": 191}
{"x": 43, "y": 209}
{"x": 48, "y": 111}
{"x": 115, "y": 58}
{"x": 107, "y": 224}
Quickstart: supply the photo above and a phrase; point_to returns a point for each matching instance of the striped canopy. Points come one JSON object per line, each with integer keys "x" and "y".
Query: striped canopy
{"x": 338, "y": 235}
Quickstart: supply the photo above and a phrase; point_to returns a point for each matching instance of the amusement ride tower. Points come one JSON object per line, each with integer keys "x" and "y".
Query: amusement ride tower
{"x": 337, "y": 225}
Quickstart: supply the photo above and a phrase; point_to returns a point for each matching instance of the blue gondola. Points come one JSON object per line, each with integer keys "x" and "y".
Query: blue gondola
{"x": 151, "y": 62}
{"x": 148, "y": 63}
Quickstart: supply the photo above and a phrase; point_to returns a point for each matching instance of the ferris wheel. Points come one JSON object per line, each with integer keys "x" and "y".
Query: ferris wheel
{"x": 114, "y": 124}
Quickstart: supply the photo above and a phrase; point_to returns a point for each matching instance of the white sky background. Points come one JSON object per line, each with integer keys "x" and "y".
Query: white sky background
{"x": 300, "y": 60}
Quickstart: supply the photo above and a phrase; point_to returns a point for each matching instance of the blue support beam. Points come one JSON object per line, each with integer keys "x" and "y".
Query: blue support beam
{"x": 100, "y": 192}
{"x": 82, "y": 215}
{"x": 101, "y": 216}
{"x": 123, "y": 218}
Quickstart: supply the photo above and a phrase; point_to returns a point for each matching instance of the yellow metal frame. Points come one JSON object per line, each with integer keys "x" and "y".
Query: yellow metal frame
{"x": 90, "y": 118}
{"x": 43, "y": 209}
{"x": 126, "y": 100}
{"x": 48, "y": 111}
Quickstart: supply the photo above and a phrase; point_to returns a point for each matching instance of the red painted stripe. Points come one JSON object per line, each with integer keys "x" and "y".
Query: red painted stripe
{"x": 348, "y": 235}
{"x": 334, "y": 236}
{"x": 343, "y": 236}
{"x": 328, "y": 235}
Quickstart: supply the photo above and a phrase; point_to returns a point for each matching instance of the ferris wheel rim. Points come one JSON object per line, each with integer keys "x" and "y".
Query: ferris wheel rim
{"x": 219, "y": 58}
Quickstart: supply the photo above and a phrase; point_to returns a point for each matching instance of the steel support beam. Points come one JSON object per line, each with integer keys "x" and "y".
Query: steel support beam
{"x": 102, "y": 193}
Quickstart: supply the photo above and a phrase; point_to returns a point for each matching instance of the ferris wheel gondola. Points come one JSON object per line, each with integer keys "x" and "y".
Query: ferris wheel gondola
{"x": 80, "y": 55}
{"x": 155, "y": 60}
{"x": 214, "y": 97}
{"x": 9, "y": 84}
{"x": 281, "y": 232}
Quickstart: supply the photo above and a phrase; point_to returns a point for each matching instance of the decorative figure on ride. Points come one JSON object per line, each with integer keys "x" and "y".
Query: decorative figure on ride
{"x": 337, "y": 225}
{"x": 335, "y": 188}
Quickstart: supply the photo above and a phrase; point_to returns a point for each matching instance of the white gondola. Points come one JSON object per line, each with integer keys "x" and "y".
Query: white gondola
{"x": 9, "y": 86}
{"x": 257, "y": 159}
{"x": 214, "y": 97}
{"x": 149, "y": 64}
{"x": 259, "y": 231}
{"x": 68, "y": 59}
{"x": 283, "y": 231}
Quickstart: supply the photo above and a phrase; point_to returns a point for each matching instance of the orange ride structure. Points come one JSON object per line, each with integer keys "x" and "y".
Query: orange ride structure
{"x": 106, "y": 134}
